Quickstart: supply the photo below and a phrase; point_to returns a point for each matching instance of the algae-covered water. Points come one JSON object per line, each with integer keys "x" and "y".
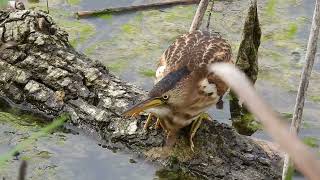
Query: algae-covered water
{"x": 130, "y": 45}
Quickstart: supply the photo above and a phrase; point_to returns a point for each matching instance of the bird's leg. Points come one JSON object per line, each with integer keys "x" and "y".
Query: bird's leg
{"x": 171, "y": 139}
{"x": 161, "y": 124}
{"x": 158, "y": 124}
{"x": 195, "y": 126}
{"x": 148, "y": 121}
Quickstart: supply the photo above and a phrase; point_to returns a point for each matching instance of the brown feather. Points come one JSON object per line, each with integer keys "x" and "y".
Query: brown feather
{"x": 196, "y": 51}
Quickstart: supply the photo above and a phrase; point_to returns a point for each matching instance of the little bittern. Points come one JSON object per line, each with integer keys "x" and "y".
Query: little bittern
{"x": 185, "y": 88}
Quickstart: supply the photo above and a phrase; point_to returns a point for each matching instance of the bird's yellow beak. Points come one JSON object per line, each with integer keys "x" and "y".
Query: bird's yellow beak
{"x": 147, "y": 104}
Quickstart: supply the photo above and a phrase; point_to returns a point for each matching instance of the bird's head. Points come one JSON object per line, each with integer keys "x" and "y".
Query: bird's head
{"x": 170, "y": 93}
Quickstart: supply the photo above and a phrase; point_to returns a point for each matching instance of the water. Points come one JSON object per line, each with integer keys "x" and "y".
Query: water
{"x": 66, "y": 155}
{"x": 130, "y": 45}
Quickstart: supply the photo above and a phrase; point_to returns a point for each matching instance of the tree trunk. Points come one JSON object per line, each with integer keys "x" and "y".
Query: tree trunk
{"x": 40, "y": 71}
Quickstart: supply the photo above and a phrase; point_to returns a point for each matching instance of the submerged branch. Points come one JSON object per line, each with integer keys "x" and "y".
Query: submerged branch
{"x": 81, "y": 14}
{"x": 23, "y": 170}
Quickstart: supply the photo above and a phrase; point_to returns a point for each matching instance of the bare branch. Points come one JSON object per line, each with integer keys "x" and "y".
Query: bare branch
{"x": 304, "y": 82}
{"x": 209, "y": 16}
{"x": 198, "y": 17}
{"x": 23, "y": 170}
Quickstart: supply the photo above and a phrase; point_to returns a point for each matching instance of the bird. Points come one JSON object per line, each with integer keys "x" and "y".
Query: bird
{"x": 185, "y": 88}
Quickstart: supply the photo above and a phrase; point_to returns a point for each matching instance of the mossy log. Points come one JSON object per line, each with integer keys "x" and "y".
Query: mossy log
{"x": 40, "y": 71}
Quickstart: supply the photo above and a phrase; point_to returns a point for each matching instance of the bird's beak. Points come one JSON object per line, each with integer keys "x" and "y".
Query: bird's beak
{"x": 147, "y": 104}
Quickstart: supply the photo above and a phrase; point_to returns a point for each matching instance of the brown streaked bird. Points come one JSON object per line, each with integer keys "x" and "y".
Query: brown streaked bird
{"x": 185, "y": 88}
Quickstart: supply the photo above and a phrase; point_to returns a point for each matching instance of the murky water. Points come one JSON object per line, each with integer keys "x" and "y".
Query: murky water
{"x": 130, "y": 45}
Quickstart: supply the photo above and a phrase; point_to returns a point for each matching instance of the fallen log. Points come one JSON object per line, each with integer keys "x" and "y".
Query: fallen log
{"x": 43, "y": 73}
{"x": 81, "y": 14}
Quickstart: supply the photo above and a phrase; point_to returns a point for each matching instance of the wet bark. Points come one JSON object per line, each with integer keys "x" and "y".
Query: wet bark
{"x": 247, "y": 61}
{"x": 41, "y": 72}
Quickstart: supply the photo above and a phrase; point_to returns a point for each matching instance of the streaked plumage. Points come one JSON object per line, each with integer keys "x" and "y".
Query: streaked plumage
{"x": 184, "y": 87}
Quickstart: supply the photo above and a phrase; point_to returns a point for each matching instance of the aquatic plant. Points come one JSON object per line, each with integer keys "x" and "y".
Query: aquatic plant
{"x": 56, "y": 123}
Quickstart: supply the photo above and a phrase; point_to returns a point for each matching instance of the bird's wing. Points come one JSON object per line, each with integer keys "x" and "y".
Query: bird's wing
{"x": 196, "y": 51}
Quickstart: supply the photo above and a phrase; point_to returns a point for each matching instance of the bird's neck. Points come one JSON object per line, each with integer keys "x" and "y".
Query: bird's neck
{"x": 160, "y": 111}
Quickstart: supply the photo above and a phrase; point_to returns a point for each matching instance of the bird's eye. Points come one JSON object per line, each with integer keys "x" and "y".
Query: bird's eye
{"x": 165, "y": 97}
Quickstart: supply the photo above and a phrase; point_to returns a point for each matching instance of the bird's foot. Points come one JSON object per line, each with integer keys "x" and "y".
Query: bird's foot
{"x": 159, "y": 123}
{"x": 148, "y": 122}
{"x": 205, "y": 116}
{"x": 195, "y": 126}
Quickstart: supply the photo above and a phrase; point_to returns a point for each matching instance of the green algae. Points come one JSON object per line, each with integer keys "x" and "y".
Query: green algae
{"x": 130, "y": 29}
{"x": 33, "y": 1}
{"x": 270, "y": 7}
{"x": 133, "y": 27}
{"x": 147, "y": 72}
{"x": 165, "y": 174}
{"x": 36, "y": 155}
{"x": 246, "y": 124}
{"x": 22, "y": 122}
{"x": 141, "y": 39}
{"x": 59, "y": 121}
{"x": 73, "y": 2}
{"x": 117, "y": 66}
{"x": 49, "y": 172}
{"x": 44, "y": 154}
{"x": 311, "y": 142}
{"x": 287, "y": 33}
{"x": 286, "y": 115}
{"x": 104, "y": 16}
{"x": 315, "y": 98}
{"x": 78, "y": 31}
{"x": 3, "y": 3}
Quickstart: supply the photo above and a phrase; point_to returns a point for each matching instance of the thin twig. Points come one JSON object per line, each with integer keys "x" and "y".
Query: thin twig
{"x": 198, "y": 17}
{"x": 48, "y": 6}
{"x": 304, "y": 82}
{"x": 23, "y": 170}
{"x": 209, "y": 16}
{"x": 306, "y": 161}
